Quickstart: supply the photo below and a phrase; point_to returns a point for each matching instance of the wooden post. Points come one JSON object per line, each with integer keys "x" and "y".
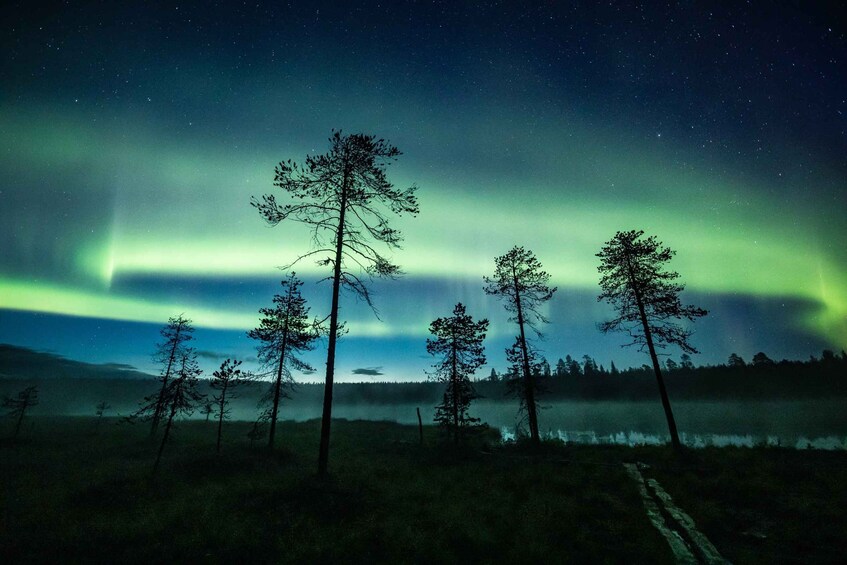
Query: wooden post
{"x": 420, "y": 425}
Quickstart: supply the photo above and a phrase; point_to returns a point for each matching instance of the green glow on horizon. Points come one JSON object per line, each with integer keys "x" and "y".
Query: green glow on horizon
{"x": 56, "y": 299}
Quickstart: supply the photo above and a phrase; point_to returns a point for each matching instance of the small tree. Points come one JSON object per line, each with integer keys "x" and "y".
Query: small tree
{"x": 685, "y": 362}
{"x": 545, "y": 368}
{"x": 208, "y": 409}
{"x": 760, "y": 359}
{"x": 561, "y": 369}
{"x": 100, "y": 409}
{"x": 574, "y": 368}
{"x": 176, "y": 333}
{"x": 343, "y": 196}
{"x": 589, "y": 366}
{"x": 181, "y": 396}
{"x": 519, "y": 280}
{"x": 284, "y": 331}
{"x": 19, "y": 404}
{"x": 735, "y": 361}
{"x": 646, "y": 297}
{"x": 223, "y": 380}
{"x": 458, "y": 343}
{"x": 256, "y": 432}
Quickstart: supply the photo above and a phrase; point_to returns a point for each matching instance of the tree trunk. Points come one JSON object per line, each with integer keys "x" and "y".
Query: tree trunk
{"x": 648, "y": 335}
{"x": 666, "y": 403}
{"x": 455, "y": 384}
{"x": 164, "y": 439}
{"x": 326, "y": 417}
{"x": 529, "y": 390}
{"x": 20, "y": 421}
{"x": 420, "y": 425}
{"x": 278, "y": 383}
{"x": 221, "y": 418}
{"x": 157, "y": 415}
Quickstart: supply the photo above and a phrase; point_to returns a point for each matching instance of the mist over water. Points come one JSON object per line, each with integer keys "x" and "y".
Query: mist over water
{"x": 819, "y": 424}
{"x": 801, "y": 423}
{"x": 696, "y": 441}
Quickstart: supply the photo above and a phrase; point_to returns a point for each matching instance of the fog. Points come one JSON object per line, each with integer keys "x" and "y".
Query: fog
{"x": 815, "y": 422}
{"x": 821, "y": 424}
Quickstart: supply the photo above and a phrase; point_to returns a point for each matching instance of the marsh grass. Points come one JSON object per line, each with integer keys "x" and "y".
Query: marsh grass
{"x": 763, "y": 505}
{"x": 72, "y": 492}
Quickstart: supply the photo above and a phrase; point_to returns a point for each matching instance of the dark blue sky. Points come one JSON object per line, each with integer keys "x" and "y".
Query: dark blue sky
{"x": 133, "y": 138}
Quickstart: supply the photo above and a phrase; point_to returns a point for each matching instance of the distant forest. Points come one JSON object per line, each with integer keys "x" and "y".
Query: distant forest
{"x": 760, "y": 378}
{"x": 68, "y": 386}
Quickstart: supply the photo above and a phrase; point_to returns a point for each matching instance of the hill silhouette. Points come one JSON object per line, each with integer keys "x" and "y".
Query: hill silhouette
{"x": 25, "y": 363}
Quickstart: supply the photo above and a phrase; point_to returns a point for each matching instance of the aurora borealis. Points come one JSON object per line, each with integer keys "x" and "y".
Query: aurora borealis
{"x": 134, "y": 137}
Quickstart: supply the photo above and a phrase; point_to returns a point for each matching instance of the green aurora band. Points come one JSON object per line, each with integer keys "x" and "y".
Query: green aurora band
{"x": 172, "y": 208}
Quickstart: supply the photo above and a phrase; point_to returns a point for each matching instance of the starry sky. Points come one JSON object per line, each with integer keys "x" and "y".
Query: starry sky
{"x": 133, "y": 136}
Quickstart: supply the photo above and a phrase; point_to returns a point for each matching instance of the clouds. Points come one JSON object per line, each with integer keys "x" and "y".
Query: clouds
{"x": 25, "y": 363}
{"x": 219, "y": 357}
{"x": 368, "y": 371}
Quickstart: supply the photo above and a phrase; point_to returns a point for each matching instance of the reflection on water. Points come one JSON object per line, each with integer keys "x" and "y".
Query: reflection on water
{"x": 801, "y": 424}
{"x": 697, "y": 441}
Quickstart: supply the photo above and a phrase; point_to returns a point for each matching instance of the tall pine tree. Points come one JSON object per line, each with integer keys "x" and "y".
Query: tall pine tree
{"x": 176, "y": 334}
{"x": 646, "y": 297}
{"x": 284, "y": 331}
{"x": 226, "y": 378}
{"x": 458, "y": 344}
{"x": 522, "y": 284}
{"x": 344, "y": 196}
{"x": 181, "y": 396}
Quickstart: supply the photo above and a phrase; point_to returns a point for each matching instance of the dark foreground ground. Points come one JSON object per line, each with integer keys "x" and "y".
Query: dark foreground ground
{"x": 75, "y": 492}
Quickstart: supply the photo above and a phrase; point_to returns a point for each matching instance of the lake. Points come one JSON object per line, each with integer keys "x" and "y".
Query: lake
{"x": 821, "y": 423}
{"x": 789, "y": 423}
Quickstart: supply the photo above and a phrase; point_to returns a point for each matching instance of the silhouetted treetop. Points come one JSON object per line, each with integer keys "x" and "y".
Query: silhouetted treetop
{"x": 344, "y": 196}
{"x": 223, "y": 380}
{"x": 285, "y": 328}
{"x": 760, "y": 359}
{"x": 18, "y": 405}
{"x": 735, "y": 360}
{"x": 635, "y": 283}
{"x": 519, "y": 278}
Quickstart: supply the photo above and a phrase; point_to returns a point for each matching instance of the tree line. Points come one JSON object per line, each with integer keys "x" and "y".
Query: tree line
{"x": 820, "y": 376}
{"x": 570, "y": 367}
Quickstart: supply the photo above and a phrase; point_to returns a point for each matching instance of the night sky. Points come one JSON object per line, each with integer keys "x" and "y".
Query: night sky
{"x": 132, "y": 138}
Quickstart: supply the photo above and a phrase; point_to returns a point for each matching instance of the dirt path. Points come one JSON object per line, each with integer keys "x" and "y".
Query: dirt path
{"x": 687, "y": 543}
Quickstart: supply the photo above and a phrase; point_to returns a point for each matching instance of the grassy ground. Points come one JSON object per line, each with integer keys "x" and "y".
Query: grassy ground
{"x": 763, "y": 505}
{"x": 73, "y": 493}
